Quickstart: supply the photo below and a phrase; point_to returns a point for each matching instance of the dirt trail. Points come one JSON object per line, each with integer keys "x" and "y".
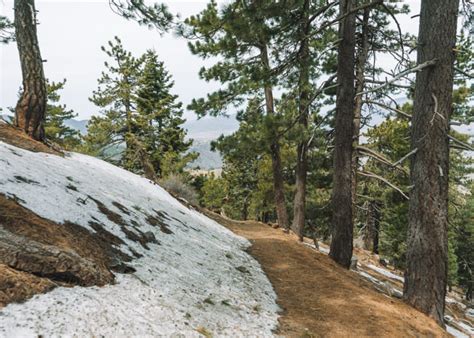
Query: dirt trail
{"x": 319, "y": 298}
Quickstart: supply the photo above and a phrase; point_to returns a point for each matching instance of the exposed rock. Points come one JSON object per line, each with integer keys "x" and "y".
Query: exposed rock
{"x": 49, "y": 261}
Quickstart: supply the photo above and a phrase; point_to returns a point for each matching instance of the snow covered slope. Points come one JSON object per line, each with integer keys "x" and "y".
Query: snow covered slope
{"x": 195, "y": 277}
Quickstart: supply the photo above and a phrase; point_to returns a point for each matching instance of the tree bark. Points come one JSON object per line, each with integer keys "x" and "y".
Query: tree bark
{"x": 278, "y": 182}
{"x": 427, "y": 245}
{"x": 371, "y": 232}
{"x": 31, "y": 106}
{"x": 363, "y": 51}
{"x": 342, "y": 222}
{"x": 299, "y": 203}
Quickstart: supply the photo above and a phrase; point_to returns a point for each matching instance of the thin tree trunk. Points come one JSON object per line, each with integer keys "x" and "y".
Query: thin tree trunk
{"x": 371, "y": 232}
{"x": 299, "y": 203}
{"x": 360, "y": 84}
{"x": 278, "y": 182}
{"x": 427, "y": 245}
{"x": 342, "y": 222}
{"x": 31, "y": 106}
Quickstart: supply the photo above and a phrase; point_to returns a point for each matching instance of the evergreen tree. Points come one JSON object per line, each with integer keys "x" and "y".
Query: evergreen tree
{"x": 56, "y": 115}
{"x": 140, "y": 114}
{"x": 116, "y": 95}
{"x": 427, "y": 246}
{"x": 159, "y": 119}
{"x": 31, "y": 107}
{"x": 6, "y": 30}
{"x": 246, "y": 68}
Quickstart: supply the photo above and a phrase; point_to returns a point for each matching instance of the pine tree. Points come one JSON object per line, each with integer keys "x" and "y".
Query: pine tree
{"x": 56, "y": 116}
{"x": 246, "y": 68}
{"x": 140, "y": 114}
{"x": 31, "y": 107}
{"x": 427, "y": 253}
{"x": 341, "y": 244}
{"x": 159, "y": 119}
{"x": 6, "y": 30}
{"x": 116, "y": 96}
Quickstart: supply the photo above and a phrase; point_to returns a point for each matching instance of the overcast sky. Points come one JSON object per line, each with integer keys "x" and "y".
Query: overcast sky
{"x": 71, "y": 34}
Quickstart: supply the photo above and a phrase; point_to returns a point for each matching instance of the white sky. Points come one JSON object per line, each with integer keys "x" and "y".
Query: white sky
{"x": 71, "y": 34}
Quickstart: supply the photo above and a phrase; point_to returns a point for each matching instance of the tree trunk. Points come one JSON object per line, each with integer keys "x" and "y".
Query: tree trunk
{"x": 363, "y": 51}
{"x": 375, "y": 243}
{"x": 278, "y": 182}
{"x": 31, "y": 106}
{"x": 342, "y": 222}
{"x": 303, "y": 111}
{"x": 427, "y": 245}
{"x": 371, "y": 232}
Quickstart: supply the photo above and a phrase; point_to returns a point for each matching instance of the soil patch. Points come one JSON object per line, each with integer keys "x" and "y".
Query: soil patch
{"x": 321, "y": 299}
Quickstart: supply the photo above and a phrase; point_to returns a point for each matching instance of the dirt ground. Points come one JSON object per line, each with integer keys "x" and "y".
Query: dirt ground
{"x": 319, "y": 298}
{"x": 15, "y": 137}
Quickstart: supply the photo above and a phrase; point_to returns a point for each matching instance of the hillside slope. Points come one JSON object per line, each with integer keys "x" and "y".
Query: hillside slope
{"x": 321, "y": 299}
{"x": 185, "y": 273}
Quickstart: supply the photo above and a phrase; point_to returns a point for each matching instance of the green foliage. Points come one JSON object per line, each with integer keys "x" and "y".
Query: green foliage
{"x": 464, "y": 239}
{"x": 152, "y": 16}
{"x": 6, "y": 30}
{"x": 142, "y": 121}
{"x": 214, "y": 193}
{"x": 56, "y": 116}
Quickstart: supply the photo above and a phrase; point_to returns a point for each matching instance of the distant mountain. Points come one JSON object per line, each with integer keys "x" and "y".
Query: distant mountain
{"x": 207, "y": 159}
{"x": 210, "y": 128}
{"x": 80, "y": 125}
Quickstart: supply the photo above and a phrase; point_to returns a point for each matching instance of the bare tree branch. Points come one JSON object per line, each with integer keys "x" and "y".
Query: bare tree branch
{"x": 372, "y": 175}
{"x": 465, "y": 145}
{"x": 400, "y": 75}
{"x": 398, "y": 111}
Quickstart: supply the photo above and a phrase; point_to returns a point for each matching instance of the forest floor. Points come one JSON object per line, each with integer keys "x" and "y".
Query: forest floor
{"x": 319, "y": 298}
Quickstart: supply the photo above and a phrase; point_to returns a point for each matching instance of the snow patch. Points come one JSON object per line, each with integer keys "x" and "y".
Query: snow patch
{"x": 193, "y": 278}
{"x": 386, "y": 273}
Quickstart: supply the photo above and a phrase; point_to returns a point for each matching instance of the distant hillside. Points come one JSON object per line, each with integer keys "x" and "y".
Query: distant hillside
{"x": 207, "y": 159}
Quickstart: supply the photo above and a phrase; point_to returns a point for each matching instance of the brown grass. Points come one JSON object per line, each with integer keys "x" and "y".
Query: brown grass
{"x": 321, "y": 299}
{"x": 16, "y": 286}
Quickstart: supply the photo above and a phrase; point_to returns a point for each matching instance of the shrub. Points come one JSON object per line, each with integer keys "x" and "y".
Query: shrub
{"x": 177, "y": 186}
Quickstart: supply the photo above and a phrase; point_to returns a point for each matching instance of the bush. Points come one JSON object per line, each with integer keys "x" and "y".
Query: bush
{"x": 177, "y": 186}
